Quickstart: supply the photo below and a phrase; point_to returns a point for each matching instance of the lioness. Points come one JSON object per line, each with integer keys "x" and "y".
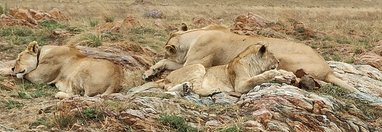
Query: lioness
{"x": 70, "y": 71}
{"x": 215, "y": 45}
{"x": 254, "y": 66}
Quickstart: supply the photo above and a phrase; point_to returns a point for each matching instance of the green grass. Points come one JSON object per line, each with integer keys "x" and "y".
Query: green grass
{"x": 1, "y": 10}
{"x": 20, "y": 35}
{"x": 155, "y": 94}
{"x": 233, "y": 128}
{"x": 10, "y": 104}
{"x": 40, "y": 121}
{"x": 112, "y": 36}
{"x": 16, "y": 31}
{"x": 64, "y": 120}
{"x": 176, "y": 122}
{"x": 148, "y": 36}
{"x": 74, "y": 29}
{"x": 51, "y": 24}
{"x": 93, "y": 22}
{"x": 93, "y": 114}
{"x": 28, "y": 90}
{"x": 109, "y": 18}
{"x": 93, "y": 40}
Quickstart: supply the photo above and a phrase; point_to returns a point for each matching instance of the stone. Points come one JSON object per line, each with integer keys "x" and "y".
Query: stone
{"x": 23, "y": 14}
{"x": 372, "y": 59}
{"x": 213, "y": 123}
{"x": 224, "y": 98}
{"x": 133, "y": 113}
{"x": 154, "y": 13}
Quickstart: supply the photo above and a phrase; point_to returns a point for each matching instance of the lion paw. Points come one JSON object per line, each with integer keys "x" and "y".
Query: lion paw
{"x": 187, "y": 87}
{"x": 151, "y": 73}
{"x": 62, "y": 95}
{"x": 271, "y": 74}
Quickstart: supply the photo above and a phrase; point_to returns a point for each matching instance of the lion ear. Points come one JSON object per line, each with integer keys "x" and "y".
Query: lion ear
{"x": 170, "y": 48}
{"x": 33, "y": 47}
{"x": 262, "y": 50}
{"x": 184, "y": 27}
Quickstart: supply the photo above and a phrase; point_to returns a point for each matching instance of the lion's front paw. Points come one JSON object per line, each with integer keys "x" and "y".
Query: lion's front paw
{"x": 187, "y": 87}
{"x": 271, "y": 74}
{"x": 285, "y": 77}
{"x": 151, "y": 73}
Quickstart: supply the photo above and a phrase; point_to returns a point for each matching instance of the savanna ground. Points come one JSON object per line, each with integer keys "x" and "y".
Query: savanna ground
{"x": 350, "y": 28}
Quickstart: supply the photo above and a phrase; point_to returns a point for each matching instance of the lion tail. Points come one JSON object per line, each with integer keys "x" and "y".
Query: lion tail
{"x": 335, "y": 80}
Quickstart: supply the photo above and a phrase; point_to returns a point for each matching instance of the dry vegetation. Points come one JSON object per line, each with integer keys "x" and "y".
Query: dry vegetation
{"x": 349, "y": 28}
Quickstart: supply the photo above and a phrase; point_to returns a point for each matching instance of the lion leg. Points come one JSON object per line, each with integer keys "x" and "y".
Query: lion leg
{"x": 183, "y": 88}
{"x": 205, "y": 61}
{"x": 160, "y": 66}
{"x": 243, "y": 85}
{"x": 205, "y": 91}
{"x": 108, "y": 91}
{"x": 66, "y": 89}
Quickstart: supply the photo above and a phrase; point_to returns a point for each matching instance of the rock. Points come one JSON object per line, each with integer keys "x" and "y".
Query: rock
{"x": 372, "y": 59}
{"x": 154, "y": 13}
{"x": 30, "y": 17}
{"x": 253, "y": 25}
{"x": 224, "y": 98}
{"x": 251, "y": 20}
{"x": 262, "y": 115}
{"x": 5, "y": 128}
{"x": 213, "y": 123}
{"x": 41, "y": 127}
{"x": 201, "y": 21}
{"x": 23, "y": 14}
{"x": 118, "y": 26}
{"x": 57, "y": 14}
{"x": 252, "y": 123}
{"x": 285, "y": 108}
{"x": 133, "y": 113}
{"x": 364, "y": 77}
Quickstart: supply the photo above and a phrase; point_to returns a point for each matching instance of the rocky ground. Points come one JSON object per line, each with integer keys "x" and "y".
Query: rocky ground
{"x": 141, "y": 106}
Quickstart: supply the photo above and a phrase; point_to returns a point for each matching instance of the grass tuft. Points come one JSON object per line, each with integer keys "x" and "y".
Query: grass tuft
{"x": 109, "y": 18}
{"x": 93, "y": 40}
{"x": 93, "y": 114}
{"x": 64, "y": 120}
{"x": 176, "y": 122}
{"x": 10, "y": 104}
{"x": 51, "y": 24}
{"x": 233, "y": 128}
{"x": 93, "y": 22}
{"x": 40, "y": 121}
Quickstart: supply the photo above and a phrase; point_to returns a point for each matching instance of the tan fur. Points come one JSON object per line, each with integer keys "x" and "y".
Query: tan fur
{"x": 71, "y": 71}
{"x": 247, "y": 70}
{"x": 211, "y": 47}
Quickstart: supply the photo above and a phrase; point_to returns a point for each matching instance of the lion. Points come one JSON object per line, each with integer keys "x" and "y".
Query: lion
{"x": 215, "y": 45}
{"x": 254, "y": 66}
{"x": 69, "y": 70}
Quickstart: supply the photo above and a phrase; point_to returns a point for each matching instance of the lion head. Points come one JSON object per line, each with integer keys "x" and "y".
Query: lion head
{"x": 27, "y": 60}
{"x": 254, "y": 60}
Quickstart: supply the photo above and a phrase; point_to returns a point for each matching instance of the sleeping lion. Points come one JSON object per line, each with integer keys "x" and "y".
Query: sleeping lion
{"x": 215, "y": 45}
{"x": 70, "y": 71}
{"x": 254, "y": 66}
